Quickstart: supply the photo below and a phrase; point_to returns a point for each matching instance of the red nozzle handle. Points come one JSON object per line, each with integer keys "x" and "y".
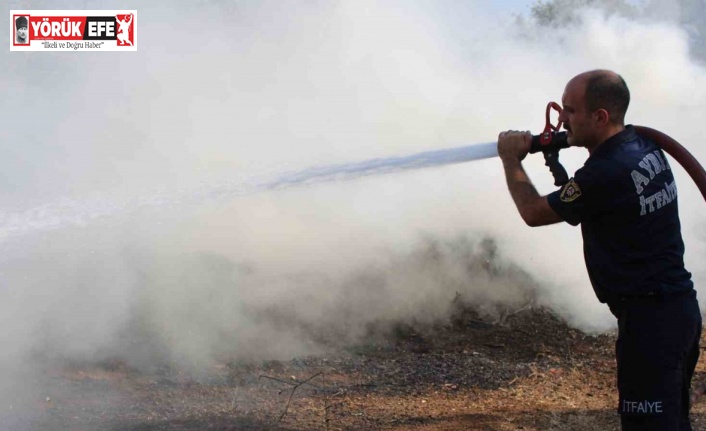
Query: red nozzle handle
{"x": 546, "y": 137}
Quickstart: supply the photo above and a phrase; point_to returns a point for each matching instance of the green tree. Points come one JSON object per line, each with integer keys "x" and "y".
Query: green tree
{"x": 688, "y": 14}
{"x": 564, "y": 12}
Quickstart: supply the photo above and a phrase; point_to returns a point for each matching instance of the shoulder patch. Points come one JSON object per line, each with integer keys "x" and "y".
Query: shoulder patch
{"x": 570, "y": 192}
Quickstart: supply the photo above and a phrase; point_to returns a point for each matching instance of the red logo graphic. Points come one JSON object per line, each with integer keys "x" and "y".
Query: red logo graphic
{"x": 125, "y": 30}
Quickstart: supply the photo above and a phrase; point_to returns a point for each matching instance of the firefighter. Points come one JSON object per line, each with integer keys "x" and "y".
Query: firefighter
{"x": 625, "y": 199}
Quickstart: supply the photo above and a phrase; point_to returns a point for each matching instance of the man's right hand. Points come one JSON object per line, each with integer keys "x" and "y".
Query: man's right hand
{"x": 514, "y": 145}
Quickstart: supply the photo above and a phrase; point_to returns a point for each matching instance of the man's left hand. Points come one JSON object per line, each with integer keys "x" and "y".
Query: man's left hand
{"x": 513, "y": 144}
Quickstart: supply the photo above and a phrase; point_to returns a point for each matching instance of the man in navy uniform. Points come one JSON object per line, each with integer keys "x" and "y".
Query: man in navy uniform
{"x": 625, "y": 199}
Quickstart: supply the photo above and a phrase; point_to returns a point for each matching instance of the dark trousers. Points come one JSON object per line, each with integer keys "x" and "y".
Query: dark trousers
{"x": 656, "y": 351}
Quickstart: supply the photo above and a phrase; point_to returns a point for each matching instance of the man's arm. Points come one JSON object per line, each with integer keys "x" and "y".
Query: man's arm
{"x": 534, "y": 209}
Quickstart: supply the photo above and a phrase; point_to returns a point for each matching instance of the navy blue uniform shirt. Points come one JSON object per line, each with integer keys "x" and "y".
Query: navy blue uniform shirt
{"x": 625, "y": 199}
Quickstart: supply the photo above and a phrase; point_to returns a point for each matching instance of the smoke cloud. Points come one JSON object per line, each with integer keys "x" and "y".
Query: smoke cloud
{"x": 113, "y": 244}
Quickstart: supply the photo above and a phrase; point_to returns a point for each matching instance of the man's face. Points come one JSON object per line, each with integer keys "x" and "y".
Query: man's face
{"x": 578, "y": 121}
{"x": 22, "y": 32}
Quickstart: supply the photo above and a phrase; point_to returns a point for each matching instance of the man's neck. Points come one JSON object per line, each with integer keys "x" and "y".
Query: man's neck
{"x": 607, "y": 134}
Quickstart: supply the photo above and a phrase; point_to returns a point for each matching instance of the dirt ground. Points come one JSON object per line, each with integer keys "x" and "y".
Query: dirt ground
{"x": 527, "y": 372}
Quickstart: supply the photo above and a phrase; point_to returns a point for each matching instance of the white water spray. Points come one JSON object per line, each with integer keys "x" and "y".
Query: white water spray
{"x": 66, "y": 212}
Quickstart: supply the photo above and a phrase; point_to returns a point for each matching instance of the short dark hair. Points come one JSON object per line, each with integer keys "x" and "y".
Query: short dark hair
{"x": 610, "y": 92}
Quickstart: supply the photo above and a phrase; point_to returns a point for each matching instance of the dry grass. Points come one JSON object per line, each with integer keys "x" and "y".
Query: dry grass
{"x": 529, "y": 373}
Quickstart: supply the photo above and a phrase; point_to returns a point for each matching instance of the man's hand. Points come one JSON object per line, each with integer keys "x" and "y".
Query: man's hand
{"x": 514, "y": 145}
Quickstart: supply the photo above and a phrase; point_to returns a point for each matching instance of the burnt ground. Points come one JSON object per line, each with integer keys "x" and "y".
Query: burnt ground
{"x": 528, "y": 372}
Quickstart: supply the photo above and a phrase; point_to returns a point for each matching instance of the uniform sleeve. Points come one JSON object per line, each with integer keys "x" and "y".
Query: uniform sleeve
{"x": 576, "y": 200}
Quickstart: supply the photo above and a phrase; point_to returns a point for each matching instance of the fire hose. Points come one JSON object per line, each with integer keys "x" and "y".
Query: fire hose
{"x": 551, "y": 141}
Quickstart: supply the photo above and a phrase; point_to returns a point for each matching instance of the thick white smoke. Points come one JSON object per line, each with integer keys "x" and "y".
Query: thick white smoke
{"x": 110, "y": 248}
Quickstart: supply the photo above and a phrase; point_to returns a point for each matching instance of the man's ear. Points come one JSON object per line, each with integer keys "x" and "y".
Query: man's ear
{"x": 602, "y": 117}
